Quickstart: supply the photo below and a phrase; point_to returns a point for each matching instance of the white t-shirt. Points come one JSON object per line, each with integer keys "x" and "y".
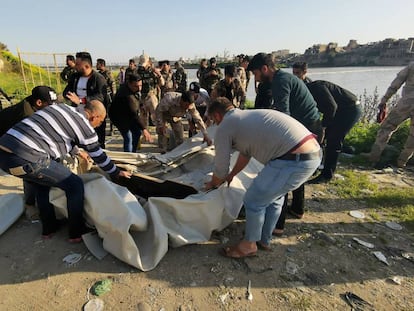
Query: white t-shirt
{"x": 81, "y": 87}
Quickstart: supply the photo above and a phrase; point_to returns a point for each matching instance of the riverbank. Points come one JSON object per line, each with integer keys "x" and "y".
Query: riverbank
{"x": 310, "y": 267}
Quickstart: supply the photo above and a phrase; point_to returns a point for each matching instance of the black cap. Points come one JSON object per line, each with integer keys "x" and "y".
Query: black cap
{"x": 194, "y": 87}
{"x": 44, "y": 93}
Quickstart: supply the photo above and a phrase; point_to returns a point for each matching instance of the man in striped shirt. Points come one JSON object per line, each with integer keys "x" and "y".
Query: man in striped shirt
{"x": 33, "y": 148}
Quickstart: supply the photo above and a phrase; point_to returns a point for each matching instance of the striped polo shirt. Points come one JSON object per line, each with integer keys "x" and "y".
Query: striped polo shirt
{"x": 53, "y": 132}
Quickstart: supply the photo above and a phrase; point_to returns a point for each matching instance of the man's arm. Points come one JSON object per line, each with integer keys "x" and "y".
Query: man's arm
{"x": 395, "y": 85}
{"x": 200, "y": 123}
{"x": 325, "y": 102}
{"x": 216, "y": 181}
{"x": 241, "y": 163}
{"x": 281, "y": 96}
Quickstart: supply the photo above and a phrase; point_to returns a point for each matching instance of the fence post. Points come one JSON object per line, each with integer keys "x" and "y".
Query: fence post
{"x": 22, "y": 70}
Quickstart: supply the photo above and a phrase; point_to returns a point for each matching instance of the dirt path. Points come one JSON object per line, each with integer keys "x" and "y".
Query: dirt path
{"x": 310, "y": 268}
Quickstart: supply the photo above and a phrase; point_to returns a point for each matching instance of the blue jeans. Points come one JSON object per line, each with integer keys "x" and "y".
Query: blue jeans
{"x": 264, "y": 198}
{"x": 131, "y": 138}
{"x": 44, "y": 174}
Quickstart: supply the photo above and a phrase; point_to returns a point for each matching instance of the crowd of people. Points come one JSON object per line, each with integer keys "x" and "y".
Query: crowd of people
{"x": 294, "y": 120}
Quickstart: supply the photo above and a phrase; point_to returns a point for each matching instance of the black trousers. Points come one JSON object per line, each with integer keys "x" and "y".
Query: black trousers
{"x": 298, "y": 195}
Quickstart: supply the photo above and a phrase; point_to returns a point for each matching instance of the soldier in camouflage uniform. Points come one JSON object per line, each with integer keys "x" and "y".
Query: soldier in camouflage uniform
{"x": 200, "y": 72}
{"x": 110, "y": 86}
{"x": 110, "y": 82}
{"x": 171, "y": 110}
{"x": 132, "y": 67}
{"x": 211, "y": 76}
{"x": 69, "y": 69}
{"x": 242, "y": 75}
{"x": 152, "y": 80}
{"x": 403, "y": 110}
{"x": 167, "y": 74}
{"x": 229, "y": 87}
{"x": 179, "y": 78}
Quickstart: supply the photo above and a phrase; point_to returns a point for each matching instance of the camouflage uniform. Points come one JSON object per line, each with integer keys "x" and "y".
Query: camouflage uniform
{"x": 149, "y": 100}
{"x": 66, "y": 73}
{"x": 110, "y": 82}
{"x": 180, "y": 80}
{"x": 233, "y": 91}
{"x": 170, "y": 111}
{"x": 210, "y": 80}
{"x": 200, "y": 75}
{"x": 242, "y": 77}
{"x": 168, "y": 82}
{"x": 402, "y": 111}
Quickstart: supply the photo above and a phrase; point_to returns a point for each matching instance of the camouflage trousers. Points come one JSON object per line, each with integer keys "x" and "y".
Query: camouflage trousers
{"x": 401, "y": 112}
{"x": 148, "y": 106}
{"x": 165, "y": 141}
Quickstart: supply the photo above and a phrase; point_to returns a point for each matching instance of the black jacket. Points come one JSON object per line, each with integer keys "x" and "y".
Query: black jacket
{"x": 330, "y": 99}
{"x": 96, "y": 87}
{"x": 124, "y": 110}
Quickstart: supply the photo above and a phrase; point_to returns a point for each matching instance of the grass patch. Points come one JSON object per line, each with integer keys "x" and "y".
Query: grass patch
{"x": 354, "y": 185}
{"x": 385, "y": 203}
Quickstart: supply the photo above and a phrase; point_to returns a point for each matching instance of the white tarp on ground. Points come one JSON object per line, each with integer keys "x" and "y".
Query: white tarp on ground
{"x": 140, "y": 235}
{"x": 11, "y": 208}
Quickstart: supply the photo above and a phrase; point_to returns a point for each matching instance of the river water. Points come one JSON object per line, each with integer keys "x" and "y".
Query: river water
{"x": 355, "y": 79}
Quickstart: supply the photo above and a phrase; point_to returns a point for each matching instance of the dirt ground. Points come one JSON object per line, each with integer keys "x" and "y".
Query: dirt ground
{"x": 310, "y": 267}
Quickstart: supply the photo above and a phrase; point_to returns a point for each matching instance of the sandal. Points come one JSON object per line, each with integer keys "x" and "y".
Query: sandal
{"x": 235, "y": 252}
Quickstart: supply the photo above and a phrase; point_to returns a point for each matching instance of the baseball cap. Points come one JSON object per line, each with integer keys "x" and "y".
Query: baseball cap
{"x": 143, "y": 59}
{"x": 194, "y": 87}
{"x": 44, "y": 93}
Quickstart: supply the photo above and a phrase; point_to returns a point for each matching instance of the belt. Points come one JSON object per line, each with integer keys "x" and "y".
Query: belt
{"x": 301, "y": 156}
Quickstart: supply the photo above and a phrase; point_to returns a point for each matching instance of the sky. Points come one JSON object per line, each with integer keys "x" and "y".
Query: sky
{"x": 119, "y": 30}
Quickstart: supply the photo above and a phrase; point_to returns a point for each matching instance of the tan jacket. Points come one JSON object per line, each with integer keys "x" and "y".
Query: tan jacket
{"x": 169, "y": 109}
{"x": 404, "y": 76}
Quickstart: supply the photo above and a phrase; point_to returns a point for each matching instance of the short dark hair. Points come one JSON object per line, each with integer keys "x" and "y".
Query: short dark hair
{"x": 84, "y": 56}
{"x": 187, "y": 97}
{"x": 70, "y": 57}
{"x": 220, "y": 105}
{"x": 133, "y": 76}
{"x": 261, "y": 59}
{"x": 131, "y": 61}
{"x": 230, "y": 70}
{"x": 300, "y": 65}
{"x": 213, "y": 60}
{"x": 101, "y": 61}
{"x": 162, "y": 62}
